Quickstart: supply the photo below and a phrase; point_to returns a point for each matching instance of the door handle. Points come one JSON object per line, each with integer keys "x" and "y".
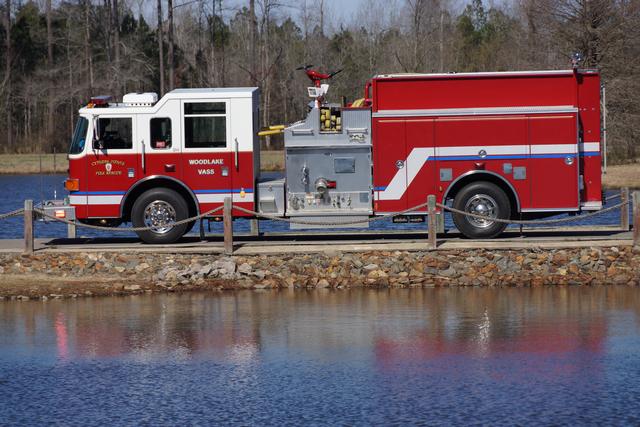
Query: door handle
{"x": 144, "y": 168}
{"x": 170, "y": 168}
{"x": 236, "y": 153}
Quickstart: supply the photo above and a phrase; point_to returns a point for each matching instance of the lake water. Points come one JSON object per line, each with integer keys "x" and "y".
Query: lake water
{"x": 14, "y": 189}
{"x": 528, "y": 356}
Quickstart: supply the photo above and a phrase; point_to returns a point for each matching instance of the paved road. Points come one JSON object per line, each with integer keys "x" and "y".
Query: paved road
{"x": 345, "y": 242}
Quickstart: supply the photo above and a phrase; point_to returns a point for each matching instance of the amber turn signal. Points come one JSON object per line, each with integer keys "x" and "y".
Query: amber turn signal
{"x": 72, "y": 184}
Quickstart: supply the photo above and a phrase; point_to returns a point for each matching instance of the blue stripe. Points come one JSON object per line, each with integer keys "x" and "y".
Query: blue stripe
{"x": 97, "y": 193}
{"x": 589, "y": 154}
{"x": 380, "y": 188}
{"x": 122, "y": 193}
{"x": 505, "y": 157}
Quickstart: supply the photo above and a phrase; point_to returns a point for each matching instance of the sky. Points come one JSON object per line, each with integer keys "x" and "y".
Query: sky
{"x": 336, "y": 11}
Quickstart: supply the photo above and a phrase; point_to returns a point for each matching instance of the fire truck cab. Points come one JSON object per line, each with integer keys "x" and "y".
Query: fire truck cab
{"x": 150, "y": 162}
{"x": 501, "y": 145}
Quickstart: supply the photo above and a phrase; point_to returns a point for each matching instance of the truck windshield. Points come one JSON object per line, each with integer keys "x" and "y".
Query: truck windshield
{"x": 79, "y": 136}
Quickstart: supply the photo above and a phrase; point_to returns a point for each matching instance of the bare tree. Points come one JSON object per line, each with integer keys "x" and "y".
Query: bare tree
{"x": 160, "y": 35}
{"x": 116, "y": 46}
{"x": 171, "y": 59}
{"x": 87, "y": 47}
{"x": 7, "y": 73}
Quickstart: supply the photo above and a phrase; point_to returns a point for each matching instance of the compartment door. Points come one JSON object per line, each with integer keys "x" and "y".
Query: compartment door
{"x": 390, "y": 171}
{"x": 554, "y": 161}
{"x": 421, "y": 167}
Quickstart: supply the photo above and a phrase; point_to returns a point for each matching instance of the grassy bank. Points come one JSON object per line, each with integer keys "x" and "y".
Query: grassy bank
{"x": 18, "y": 164}
{"x": 272, "y": 160}
{"x": 617, "y": 176}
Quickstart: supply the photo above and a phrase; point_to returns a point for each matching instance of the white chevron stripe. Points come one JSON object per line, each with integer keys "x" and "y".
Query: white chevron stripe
{"x": 419, "y": 156}
{"x": 404, "y": 176}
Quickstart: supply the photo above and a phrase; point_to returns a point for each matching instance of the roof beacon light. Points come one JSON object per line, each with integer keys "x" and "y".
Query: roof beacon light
{"x": 99, "y": 101}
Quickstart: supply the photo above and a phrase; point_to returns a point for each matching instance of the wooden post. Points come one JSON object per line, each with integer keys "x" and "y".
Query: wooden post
{"x": 440, "y": 218}
{"x": 636, "y": 218}
{"x": 28, "y": 226}
{"x": 255, "y": 227}
{"x": 71, "y": 231}
{"x": 228, "y": 226}
{"x": 624, "y": 209}
{"x": 201, "y": 229}
{"x": 433, "y": 224}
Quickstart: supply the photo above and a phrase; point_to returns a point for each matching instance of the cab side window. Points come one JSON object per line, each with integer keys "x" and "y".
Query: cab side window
{"x": 160, "y": 133}
{"x": 205, "y": 125}
{"x": 116, "y": 133}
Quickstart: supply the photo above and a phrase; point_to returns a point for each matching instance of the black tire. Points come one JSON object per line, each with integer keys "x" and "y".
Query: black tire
{"x": 165, "y": 203}
{"x": 481, "y": 197}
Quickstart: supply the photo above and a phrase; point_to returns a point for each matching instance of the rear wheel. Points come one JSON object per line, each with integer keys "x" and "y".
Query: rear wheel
{"x": 156, "y": 208}
{"x": 485, "y": 199}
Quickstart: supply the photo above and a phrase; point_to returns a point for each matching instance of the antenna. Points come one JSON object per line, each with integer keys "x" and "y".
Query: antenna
{"x": 41, "y": 178}
{"x": 55, "y": 171}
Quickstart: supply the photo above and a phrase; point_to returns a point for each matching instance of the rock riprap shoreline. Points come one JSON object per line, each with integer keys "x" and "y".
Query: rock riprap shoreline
{"x": 58, "y": 275}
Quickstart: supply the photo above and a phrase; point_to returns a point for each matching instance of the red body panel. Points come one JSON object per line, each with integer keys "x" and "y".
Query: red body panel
{"x": 201, "y": 173}
{"x": 590, "y": 161}
{"x": 554, "y": 183}
{"x": 420, "y": 133}
{"x": 469, "y": 90}
{"x": 524, "y": 128}
{"x": 393, "y": 132}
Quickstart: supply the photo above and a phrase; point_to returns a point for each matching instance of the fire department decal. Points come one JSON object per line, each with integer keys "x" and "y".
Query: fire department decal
{"x": 108, "y": 167}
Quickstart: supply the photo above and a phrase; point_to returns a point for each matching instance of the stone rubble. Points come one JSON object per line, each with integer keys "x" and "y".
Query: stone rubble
{"x": 78, "y": 274}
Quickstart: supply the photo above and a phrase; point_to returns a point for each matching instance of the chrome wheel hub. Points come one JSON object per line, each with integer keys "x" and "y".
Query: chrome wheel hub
{"x": 482, "y": 204}
{"x": 158, "y": 214}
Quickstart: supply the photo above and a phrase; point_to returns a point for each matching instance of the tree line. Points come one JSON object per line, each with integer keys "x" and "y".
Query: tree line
{"x": 54, "y": 55}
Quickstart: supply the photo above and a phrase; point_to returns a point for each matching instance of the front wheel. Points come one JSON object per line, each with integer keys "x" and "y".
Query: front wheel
{"x": 156, "y": 208}
{"x": 485, "y": 199}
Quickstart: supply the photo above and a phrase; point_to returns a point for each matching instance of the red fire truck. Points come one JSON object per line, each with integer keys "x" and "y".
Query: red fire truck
{"x": 498, "y": 144}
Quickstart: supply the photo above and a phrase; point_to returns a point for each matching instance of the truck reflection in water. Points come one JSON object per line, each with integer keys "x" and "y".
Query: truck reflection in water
{"x": 554, "y": 355}
{"x": 394, "y": 327}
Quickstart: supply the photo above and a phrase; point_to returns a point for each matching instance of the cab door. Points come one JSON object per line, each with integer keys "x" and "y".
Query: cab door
{"x": 207, "y": 152}
{"x": 112, "y": 165}
{"x": 159, "y": 137}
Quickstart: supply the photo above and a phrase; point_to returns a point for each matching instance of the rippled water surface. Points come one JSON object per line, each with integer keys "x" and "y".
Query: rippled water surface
{"x": 360, "y": 357}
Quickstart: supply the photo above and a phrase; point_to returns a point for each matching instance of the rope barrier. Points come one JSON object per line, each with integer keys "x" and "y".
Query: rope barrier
{"x": 43, "y": 214}
{"x": 127, "y": 229}
{"x": 12, "y": 213}
{"x": 533, "y": 221}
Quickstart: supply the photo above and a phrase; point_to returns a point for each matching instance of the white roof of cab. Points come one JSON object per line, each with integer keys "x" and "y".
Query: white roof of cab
{"x": 214, "y": 92}
{"x": 201, "y": 93}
